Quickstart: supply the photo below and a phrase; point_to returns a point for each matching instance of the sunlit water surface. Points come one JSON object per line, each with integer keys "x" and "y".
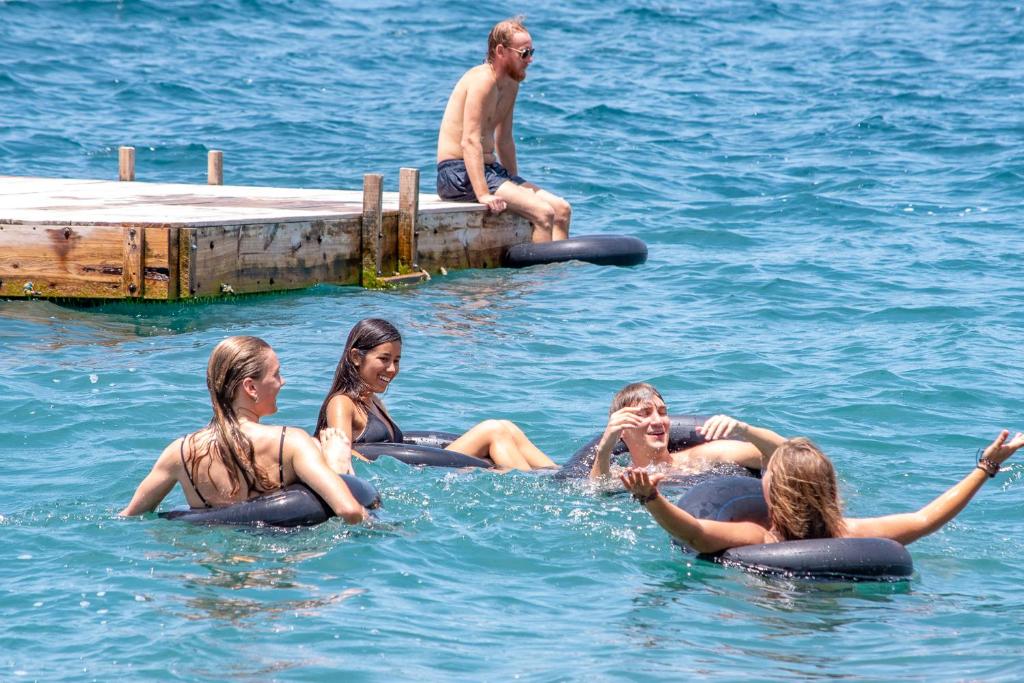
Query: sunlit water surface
{"x": 831, "y": 193}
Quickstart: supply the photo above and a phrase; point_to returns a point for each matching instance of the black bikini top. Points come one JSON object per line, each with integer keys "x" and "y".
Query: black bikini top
{"x": 379, "y": 428}
{"x": 188, "y": 473}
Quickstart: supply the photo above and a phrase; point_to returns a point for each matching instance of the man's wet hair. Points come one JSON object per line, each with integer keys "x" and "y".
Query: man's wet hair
{"x": 634, "y": 394}
{"x": 502, "y": 34}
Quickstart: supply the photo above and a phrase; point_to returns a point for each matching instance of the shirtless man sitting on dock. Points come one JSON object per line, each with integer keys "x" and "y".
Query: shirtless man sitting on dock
{"x": 477, "y": 120}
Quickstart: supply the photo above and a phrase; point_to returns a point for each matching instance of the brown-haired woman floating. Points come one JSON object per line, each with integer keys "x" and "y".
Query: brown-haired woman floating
{"x": 803, "y": 498}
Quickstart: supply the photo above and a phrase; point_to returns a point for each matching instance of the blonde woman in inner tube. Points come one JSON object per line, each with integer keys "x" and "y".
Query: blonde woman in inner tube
{"x": 236, "y": 457}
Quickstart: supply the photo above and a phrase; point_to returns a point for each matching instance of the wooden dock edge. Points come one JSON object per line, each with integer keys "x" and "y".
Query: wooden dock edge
{"x": 161, "y": 262}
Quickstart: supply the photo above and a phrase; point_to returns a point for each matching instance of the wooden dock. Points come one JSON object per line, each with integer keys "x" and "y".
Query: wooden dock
{"x": 96, "y": 239}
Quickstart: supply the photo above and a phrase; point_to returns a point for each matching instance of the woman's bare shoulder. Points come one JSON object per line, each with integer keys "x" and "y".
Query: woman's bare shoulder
{"x": 343, "y": 400}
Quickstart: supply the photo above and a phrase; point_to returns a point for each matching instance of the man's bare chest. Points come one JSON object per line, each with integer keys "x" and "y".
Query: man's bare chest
{"x": 502, "y": 108}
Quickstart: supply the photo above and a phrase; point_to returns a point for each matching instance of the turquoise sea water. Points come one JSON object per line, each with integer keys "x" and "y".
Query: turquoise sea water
{"x": 832, "y": 195}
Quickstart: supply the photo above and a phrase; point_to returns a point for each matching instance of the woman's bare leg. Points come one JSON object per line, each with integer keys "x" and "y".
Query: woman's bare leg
{"x": 533, "y": 455}
{"x": 491, "y": 439}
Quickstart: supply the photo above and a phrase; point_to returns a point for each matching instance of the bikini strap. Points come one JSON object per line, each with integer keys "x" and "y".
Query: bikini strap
{"x": 280, "y": 459}
{"x": 188, "y": 473}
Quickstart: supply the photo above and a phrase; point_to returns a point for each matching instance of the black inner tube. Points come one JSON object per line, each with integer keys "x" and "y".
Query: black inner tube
{"x": 294, "y": 505}
{"x": 422, "y": 448}
{"x": 739, "y": 499}
{"x": 602, "y": 250}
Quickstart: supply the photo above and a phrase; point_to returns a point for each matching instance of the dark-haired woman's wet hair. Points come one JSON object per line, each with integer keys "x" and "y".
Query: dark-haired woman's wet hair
{"x": 365, "y": 336}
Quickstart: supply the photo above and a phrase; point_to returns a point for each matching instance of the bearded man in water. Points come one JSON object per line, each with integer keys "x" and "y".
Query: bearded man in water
{"x": 478, "y": 122}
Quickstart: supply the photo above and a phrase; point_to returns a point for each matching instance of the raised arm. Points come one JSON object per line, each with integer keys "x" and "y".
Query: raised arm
{"x": 723, "y": 427}
{"x": 908, "y": 527}
{"x": 626, "y": 418}
{"x": 157, "y": 484}
{"x": 703, "y": 535}
{"x": 311, "y": 468}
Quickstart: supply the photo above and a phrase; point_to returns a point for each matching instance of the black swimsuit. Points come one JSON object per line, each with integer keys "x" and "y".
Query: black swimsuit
{"x": 379, "y": 429}
{"x": 188, "y": 473}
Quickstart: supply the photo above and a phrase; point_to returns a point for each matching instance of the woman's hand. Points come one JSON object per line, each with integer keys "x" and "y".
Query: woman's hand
{"x": 641, "y": 483}
{"x": 337, "y": 450}
{"x": 999, "y": 451}
{"x": 722, "y": 427}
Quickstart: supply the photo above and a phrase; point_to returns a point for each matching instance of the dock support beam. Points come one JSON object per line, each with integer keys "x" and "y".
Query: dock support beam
{"x": 373, "y": 228}
{"x": 215, "y": 167}
{"x": 134, "y": 274}
{"x": 126, "y": 163}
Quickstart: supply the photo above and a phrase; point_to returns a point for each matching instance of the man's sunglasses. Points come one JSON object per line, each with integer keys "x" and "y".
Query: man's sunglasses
{"x": 525, "y": 53}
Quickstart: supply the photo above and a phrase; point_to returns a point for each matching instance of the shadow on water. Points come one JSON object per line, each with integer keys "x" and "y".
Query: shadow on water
{"x": 460, "y": 305}
{"x": 236, "y": 610}
{"x": 471, "y": 301}
{"x": 69, "y": 323}
{"x": 742, "y": 616}
{"x": 773, "y": 592}
{"x": 239, "y": 574}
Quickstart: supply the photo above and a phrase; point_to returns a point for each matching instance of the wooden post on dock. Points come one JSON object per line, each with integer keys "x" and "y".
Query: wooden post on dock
{"x": 133, "y": 277}
{"x": 408, "y": 215}
{"x": 373, "y": 226}
{"x": 215, "y": 167}
{"x": 402, "y": 256}
{"x": 126, "y": 163}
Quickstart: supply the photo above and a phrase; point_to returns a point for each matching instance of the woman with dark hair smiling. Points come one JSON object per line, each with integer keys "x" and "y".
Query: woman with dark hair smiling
{"x": 368, "y": 364}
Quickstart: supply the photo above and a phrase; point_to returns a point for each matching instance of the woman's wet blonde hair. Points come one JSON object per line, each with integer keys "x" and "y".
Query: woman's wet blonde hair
{"x": 803, "y": 496}
{"x": 232, "y": 361}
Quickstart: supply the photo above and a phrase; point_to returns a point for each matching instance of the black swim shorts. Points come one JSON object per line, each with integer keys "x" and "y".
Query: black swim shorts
{"x": 453, "y": 181}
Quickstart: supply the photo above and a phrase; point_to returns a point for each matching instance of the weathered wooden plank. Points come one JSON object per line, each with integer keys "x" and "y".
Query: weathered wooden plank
{"x": 468, "y": 240}
{"x": 79, "y": 261}
{"x": 94, "y": 202}
{"x": 188, "y": 247}
{"x": 173, "y": 261}
{"x": 408, "y": 215}
{"x": 157, "y": 282}
{"x": 267, "y": 257}
{"x": 51, "y": 261}
{"x": 126, "y": 163}
{"x": 132, "y": 277}
{"x": 403, "y": 279}
{"x": 372, "y": 228}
